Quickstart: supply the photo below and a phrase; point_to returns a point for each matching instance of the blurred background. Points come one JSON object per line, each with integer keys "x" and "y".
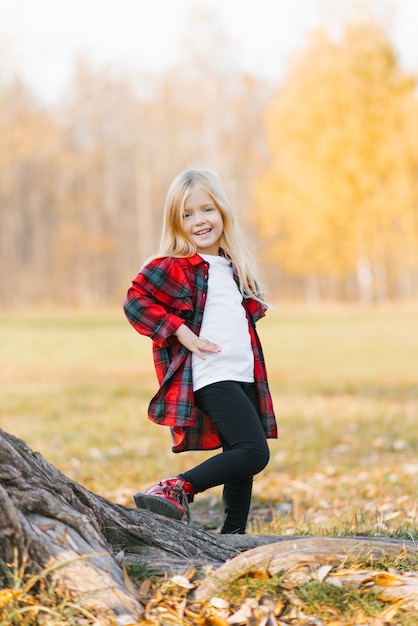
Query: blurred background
{"x": 307, "y": 109}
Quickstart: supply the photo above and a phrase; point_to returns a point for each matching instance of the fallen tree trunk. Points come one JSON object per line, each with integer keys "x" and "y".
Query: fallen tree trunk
{"x": 48, "y": 519}
{"x": 51, "y": 521}
{"x": 301, "y": 559}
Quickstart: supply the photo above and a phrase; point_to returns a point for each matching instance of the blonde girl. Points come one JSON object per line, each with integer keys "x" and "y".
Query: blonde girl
{"x": 199, "y": 300}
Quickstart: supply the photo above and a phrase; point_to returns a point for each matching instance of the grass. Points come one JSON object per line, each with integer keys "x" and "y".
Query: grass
{"x": 29, "y": 598}
{"x": 76, "y": 386}
{"x": 330, "y": 602}
{"x": 325, "y": 600}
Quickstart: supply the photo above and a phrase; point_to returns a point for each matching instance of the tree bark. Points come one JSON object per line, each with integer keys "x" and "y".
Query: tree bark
{"x": 48, "y": 520}
{"x": 301, "y": 559}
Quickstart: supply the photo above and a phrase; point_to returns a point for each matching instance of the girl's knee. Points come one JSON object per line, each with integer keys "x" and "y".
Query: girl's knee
{"x": 260, "y": 458}
{"x": 265, "y": 457}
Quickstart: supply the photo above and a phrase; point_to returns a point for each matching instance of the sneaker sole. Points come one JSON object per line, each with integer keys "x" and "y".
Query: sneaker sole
{"x": 156, "y": 504}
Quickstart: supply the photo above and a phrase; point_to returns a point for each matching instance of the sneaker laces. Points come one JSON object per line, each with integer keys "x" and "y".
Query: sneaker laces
{"x": 178, "y": 492}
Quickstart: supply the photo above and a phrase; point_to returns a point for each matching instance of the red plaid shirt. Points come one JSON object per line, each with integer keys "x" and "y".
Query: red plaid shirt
{"x": 166, "y": 293}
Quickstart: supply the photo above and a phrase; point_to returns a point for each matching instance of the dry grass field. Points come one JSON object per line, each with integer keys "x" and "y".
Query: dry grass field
{"x": 76, "y": 385}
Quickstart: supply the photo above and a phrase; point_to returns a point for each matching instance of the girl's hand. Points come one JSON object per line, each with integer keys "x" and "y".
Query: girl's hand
{"x": 195, "y": 344}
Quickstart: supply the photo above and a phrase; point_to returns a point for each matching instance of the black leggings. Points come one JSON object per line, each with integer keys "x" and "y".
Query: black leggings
{"x": 233, "y": 408}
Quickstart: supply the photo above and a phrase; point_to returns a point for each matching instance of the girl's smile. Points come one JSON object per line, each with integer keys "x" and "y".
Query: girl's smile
{"x": 202, "y": 221}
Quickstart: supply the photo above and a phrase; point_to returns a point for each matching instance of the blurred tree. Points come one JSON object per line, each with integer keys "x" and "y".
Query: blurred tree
{"x": 101, "y": 124}
{"x": 83, "y": 183}
{"x": 29, "y": 140}
{"x": 125, "y": 138}
{"x": 340, "y": 196}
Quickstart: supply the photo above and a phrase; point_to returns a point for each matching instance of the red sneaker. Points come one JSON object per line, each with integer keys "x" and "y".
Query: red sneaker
{"x": 169, "y": 497}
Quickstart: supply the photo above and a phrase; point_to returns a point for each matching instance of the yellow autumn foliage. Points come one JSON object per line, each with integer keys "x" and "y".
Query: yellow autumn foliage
{"x": 341, "y": 190}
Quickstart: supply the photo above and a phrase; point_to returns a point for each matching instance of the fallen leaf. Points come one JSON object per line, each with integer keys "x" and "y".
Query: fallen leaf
{"x": 323, "y": 572}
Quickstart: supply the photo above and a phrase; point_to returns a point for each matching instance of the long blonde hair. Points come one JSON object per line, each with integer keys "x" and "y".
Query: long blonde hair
{"x": 175, "y": 242}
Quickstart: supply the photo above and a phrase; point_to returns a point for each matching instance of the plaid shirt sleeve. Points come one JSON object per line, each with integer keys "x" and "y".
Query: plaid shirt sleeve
{"x": 159, "y": 300}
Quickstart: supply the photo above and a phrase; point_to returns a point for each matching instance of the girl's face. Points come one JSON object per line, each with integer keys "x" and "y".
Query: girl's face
{"x": 202, "y": 221}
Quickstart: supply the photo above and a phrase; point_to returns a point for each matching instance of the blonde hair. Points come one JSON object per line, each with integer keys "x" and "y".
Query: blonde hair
{"x": 175, "y": 242}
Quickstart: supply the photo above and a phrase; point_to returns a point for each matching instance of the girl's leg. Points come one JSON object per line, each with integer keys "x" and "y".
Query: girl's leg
{"x": 236, "y": 501}
{"x": 233, "y": 408}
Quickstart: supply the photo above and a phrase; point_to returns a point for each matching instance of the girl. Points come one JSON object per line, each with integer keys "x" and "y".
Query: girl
{"x": 199, "y": 300}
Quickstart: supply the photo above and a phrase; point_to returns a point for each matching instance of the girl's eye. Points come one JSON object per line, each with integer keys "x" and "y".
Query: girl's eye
{"x": 209, "y": 208}
{"x": 186, "y": 215}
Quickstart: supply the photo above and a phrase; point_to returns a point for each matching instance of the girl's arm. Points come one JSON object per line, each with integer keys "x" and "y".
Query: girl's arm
{"x": 159, "y": 301}
{"x": 150, "y": 318}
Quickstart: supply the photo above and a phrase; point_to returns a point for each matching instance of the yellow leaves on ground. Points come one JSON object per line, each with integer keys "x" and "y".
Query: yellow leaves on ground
{"x": 389, "y": 587}
{"x": 174, "y": 602}
{"x": 7, "y": 596}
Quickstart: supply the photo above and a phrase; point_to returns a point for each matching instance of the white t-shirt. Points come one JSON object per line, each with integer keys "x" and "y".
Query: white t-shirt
{"x": 225, "y": 323}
